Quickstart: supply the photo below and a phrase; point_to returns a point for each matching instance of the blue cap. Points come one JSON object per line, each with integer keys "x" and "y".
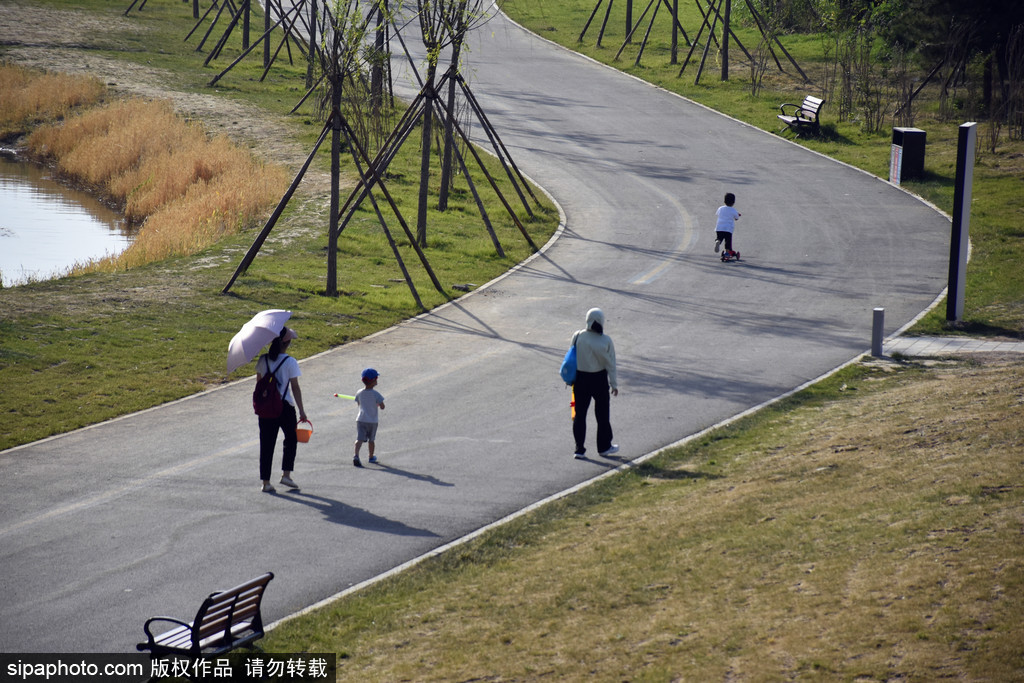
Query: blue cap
{"x": 370, "y": 373}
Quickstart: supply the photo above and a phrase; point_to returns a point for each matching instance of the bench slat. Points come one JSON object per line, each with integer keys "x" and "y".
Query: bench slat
{"x": 237, "y": 633}
{"x": 179, "y": 637}
{"x": 216, "y": 621}
{"x": 226, "y": 620}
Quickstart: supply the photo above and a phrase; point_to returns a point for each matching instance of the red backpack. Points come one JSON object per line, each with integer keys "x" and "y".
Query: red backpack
{"x": 266, "y": 397}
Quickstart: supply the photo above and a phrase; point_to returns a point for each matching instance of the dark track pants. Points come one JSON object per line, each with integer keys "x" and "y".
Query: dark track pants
{"x": 286, "y": 422}
{"x": 592, "y": 386}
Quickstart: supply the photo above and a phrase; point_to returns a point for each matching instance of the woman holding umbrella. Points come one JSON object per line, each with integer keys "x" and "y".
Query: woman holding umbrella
{"x": 286, "y": 372}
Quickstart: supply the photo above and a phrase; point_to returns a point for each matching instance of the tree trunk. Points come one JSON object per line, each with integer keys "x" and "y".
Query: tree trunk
{"x": 629, "y": 19}
{"x": 449, "y": 138}
{"x": 725, "y": 40}
{"x": 332, "y": 235}
{"x": 266, "y": 30}
{"x": 430, "y": 95}
{"x": 377, "y": 70}
{"x": 675, "y": 32}
{"x": 245, "y": 25}
{"x": 311, "y": 65}
{"x": 986, "y": 86}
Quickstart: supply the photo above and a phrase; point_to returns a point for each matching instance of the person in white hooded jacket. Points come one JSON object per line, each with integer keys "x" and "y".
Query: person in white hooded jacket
{"x": 596, "y": 380}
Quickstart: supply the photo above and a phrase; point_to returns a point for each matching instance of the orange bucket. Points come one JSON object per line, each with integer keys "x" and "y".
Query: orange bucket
{"x": 304, "y": 431}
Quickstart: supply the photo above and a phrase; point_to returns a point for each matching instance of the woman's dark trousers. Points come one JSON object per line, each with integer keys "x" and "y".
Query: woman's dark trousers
{"x": 286, "y": 422}
{"x": 592, "y": 386}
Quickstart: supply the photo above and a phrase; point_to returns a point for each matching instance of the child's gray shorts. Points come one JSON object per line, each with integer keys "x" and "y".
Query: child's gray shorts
{"x": 366, "y": 431}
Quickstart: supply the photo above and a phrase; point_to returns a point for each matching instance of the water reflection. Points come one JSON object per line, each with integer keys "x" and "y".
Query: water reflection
{"x": 46, "y": 227}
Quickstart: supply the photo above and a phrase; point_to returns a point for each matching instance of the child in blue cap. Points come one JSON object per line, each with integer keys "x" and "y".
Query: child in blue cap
{"x": 369, "y": 400}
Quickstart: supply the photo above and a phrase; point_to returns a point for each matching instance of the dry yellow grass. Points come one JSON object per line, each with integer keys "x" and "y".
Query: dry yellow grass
{"x": 28, "y": 97}
{"x": 232, "y": 198}
{"x": 185, "y": 189}
{"x": 107, "y": 147}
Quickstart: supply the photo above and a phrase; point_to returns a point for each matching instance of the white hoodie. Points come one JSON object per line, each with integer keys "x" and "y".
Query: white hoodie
{"x": 595, "y": 351}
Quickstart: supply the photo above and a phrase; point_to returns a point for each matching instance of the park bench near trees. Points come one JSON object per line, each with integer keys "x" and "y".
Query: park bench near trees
{"x": 803, "y": 116}
{"x": 226, "y": 620}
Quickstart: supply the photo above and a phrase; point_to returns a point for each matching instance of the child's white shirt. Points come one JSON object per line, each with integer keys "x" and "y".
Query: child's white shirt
{"x": 727, "y": 216}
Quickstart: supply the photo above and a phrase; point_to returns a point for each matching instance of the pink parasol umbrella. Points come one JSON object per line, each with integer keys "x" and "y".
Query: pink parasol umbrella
{"x": 264, "y": 327}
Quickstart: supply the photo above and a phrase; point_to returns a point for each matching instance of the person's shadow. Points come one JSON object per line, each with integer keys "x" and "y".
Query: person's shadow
{"x": 340, "y": 513}
{"x": 430, "y": 479}
{"x": 646, "y": 469}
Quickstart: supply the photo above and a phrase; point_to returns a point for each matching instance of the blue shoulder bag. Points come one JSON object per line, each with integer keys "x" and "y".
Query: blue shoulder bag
{"x": 568, "y": 369}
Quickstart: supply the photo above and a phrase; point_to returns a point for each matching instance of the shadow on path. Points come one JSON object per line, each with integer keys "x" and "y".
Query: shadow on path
{"x": 648, "y": 469}
{"x": 340, "y": 513}
{"x": 389, "y": 469}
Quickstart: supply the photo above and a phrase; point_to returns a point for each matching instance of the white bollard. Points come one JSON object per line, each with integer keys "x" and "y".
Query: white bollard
{"x": 877, "y": 330}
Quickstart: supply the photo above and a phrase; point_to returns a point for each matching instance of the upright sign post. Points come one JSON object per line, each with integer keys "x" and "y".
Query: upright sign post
{"x": 959, "y": 241}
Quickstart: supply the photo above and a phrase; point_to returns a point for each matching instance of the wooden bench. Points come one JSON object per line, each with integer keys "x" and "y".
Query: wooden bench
{"x": 225, "y": 621}
{"x": 803, "y": 116}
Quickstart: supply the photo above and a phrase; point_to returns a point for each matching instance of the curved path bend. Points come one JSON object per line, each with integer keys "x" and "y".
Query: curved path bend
{"x": 107, "y": 526}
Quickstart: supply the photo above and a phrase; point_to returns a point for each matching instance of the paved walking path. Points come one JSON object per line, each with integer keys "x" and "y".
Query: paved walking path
{"x": 107, "y": 526}
{"x": 942, "y": 346}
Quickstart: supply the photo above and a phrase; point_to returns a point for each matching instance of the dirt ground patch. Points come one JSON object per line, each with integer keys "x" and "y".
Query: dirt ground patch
{"x": 66, "y": 41}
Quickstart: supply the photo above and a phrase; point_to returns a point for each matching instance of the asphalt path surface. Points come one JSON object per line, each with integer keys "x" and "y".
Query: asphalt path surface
{"x": 144, "y": 515}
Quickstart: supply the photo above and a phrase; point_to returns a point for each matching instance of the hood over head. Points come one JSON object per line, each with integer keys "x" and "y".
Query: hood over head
{"x": 595, "y": 315}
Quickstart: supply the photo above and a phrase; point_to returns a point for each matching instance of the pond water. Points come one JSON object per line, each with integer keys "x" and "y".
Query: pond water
{"x": 47, "y": 227}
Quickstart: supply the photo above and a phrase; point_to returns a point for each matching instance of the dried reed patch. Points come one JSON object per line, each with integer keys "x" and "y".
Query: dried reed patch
{"x": 28, "y": 97}
{"x": 232, "y": 199}
{"x": 185, "y": 189}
